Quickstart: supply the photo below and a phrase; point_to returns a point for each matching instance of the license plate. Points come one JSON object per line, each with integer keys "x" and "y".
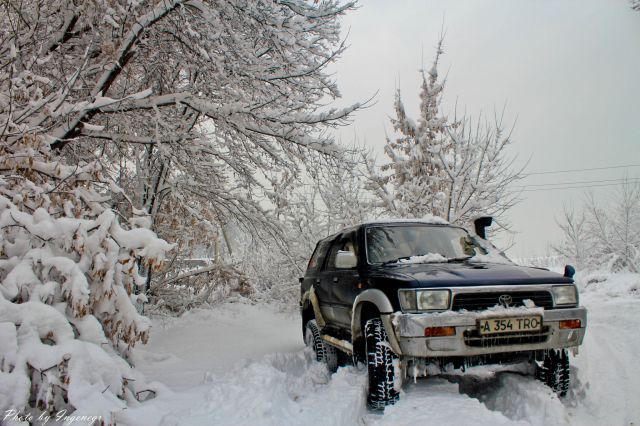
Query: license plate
{"x": 510, "y": 325}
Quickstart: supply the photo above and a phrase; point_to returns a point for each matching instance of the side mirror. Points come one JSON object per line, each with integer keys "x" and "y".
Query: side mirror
{"x": 300, "y": 280}
{"x": 480, "y": 224}
{"x": 346, "y": 260}
{"x": 569, "y": 271}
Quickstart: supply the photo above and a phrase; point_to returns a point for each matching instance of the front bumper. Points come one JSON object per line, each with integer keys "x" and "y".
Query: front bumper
{"x": 406, "y": 333}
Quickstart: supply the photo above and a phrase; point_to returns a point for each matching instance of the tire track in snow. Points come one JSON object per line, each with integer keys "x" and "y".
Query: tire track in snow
{"x": 292, "y": 389}
{"x": 437, "y": 401}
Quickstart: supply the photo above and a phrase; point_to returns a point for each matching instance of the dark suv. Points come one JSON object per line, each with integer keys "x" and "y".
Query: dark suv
{"x": 407, "y": 296}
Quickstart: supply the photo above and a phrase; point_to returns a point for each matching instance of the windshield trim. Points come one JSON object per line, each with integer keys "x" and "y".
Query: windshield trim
{"x": 400, "y": 224}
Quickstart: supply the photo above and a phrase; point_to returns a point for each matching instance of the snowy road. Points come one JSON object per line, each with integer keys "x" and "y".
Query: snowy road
{"x": 246, "y": 365}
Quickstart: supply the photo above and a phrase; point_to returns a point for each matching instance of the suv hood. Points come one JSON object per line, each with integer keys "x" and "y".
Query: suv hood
{"x": 472, "y": 274}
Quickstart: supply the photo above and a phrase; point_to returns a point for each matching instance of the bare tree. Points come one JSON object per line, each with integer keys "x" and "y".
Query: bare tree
{"x": 609, "y": 236}
{"x": 575, "y": 241}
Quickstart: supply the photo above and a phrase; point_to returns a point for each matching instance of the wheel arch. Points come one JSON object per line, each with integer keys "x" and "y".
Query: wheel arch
{"x": 310, "y": 309}
{"x": 369, "y": 304}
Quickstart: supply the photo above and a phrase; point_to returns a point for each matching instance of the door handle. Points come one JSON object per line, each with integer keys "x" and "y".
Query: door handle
{"x": 317, "y": 280}
{"x": 335, "y": 279}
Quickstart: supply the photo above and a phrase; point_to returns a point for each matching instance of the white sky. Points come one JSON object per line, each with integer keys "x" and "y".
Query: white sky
{"x": 569, "y": 70}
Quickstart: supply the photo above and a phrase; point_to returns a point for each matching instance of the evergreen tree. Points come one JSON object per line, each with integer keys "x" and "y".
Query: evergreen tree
{"x": 452, "y": 168}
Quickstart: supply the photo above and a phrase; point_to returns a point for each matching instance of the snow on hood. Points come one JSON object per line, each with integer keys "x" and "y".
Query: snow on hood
{"x": 491, "y": 257}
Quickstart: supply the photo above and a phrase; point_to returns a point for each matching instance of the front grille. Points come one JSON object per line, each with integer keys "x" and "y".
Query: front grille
{"x": 482, "y": 301}
{"x": 474, "y": 339}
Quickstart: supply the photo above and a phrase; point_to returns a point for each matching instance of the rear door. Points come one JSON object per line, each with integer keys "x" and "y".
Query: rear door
{"x": 312, "y": 274}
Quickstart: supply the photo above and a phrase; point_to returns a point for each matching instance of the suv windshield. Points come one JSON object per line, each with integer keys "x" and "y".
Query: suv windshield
{"x": 387, "y": 244}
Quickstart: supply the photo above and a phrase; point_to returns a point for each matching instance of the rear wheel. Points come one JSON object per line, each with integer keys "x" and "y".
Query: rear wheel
{"x": 554, "y": 371}
{"x": 382, "y": 389}
{"x": 324, "y": 352}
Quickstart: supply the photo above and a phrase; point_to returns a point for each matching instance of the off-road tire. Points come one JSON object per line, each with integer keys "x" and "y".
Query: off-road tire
{"x": 380, "y": 364}
{"x": 554, "y": 371}
{"x": 324, "y": 352}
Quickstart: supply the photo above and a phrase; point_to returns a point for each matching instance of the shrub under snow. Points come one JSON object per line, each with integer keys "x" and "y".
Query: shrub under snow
{"x": 69, "y": 272}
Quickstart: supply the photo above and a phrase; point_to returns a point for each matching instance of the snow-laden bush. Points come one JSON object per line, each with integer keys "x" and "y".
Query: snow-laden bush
{"x": 69, "y": 275}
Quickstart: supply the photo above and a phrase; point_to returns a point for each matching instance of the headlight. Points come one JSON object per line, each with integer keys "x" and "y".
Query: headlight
{"x": 565, "y": 294}
{"x": 424, "y": 300}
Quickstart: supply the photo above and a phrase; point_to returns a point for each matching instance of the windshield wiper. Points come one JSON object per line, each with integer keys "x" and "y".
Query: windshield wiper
{"x": 389, "y": 262}
{"x": 458, "y": 259}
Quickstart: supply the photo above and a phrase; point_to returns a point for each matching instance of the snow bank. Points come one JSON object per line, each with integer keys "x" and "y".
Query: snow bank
{"x": 605, "y": 285}
{"x": 280, "y": 389}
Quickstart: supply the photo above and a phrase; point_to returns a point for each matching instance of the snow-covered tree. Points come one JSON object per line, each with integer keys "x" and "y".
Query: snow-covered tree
{"x": 331, "y": 196}
{"x": 609, "y": 236}
{"x": 341, "y": 189}
{"x": 453, "y": 168}
{"x": 187, "y": 104}
{"x": 148, "y": 72}
{"x": 68, "y": 291}
{"x": 616, "y": 230}
{"x": 575, "y": 238}
{"x": 414, "y": 185}
{"x": 478, "y": 171}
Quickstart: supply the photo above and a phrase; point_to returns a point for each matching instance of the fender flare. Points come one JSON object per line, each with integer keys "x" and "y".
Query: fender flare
{"x": 381, "y": 301}
{"x": 310, "y": 297}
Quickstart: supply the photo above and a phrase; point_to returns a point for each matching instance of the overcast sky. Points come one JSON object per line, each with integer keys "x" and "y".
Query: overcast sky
{"x": 568, "y": 70}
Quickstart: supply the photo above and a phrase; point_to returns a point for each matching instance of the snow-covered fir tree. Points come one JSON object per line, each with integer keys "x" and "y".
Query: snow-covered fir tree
{"x": 453, "y": 168}
{"x": 414, "y": 185}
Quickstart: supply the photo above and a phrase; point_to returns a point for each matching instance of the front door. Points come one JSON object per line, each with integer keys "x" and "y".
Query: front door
{"x": 339, "y": 280}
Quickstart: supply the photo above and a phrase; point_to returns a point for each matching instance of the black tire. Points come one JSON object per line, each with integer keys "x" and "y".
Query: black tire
{"x": 324, "y": 352}
{"x": 380, "y": 364}
{"x": 554, "y": 371}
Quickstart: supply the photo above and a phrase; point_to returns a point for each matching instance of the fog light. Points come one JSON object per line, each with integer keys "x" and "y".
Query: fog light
{"x": 569, "y": 324}
{"x": 439, "y": 331}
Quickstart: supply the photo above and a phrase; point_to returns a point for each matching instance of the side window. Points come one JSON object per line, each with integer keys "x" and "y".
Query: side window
{"x": 344, "y": 245}
{"x": 318, "y": 256}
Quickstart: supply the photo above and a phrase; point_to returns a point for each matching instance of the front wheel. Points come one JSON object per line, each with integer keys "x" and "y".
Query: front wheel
{"x": 324, "y": 352}
{"x": 554, "y": 371}
{"x": 382, "y": 389}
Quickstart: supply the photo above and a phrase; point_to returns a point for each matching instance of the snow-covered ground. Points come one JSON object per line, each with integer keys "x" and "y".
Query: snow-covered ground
{"x": 246, "y": 365}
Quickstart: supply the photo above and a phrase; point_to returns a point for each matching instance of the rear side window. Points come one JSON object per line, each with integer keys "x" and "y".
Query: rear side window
{"x": 317, "y": 258}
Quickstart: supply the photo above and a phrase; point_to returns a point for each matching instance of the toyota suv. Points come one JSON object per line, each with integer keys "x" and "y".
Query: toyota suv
{"x": 409, "y": 297}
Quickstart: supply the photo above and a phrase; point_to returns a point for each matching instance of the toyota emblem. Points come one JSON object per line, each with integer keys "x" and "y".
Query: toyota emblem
{"x": 505, "y": 300}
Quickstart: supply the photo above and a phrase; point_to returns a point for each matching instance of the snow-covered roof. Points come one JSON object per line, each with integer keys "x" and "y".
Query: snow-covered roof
{"x": 430, "y": 220}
